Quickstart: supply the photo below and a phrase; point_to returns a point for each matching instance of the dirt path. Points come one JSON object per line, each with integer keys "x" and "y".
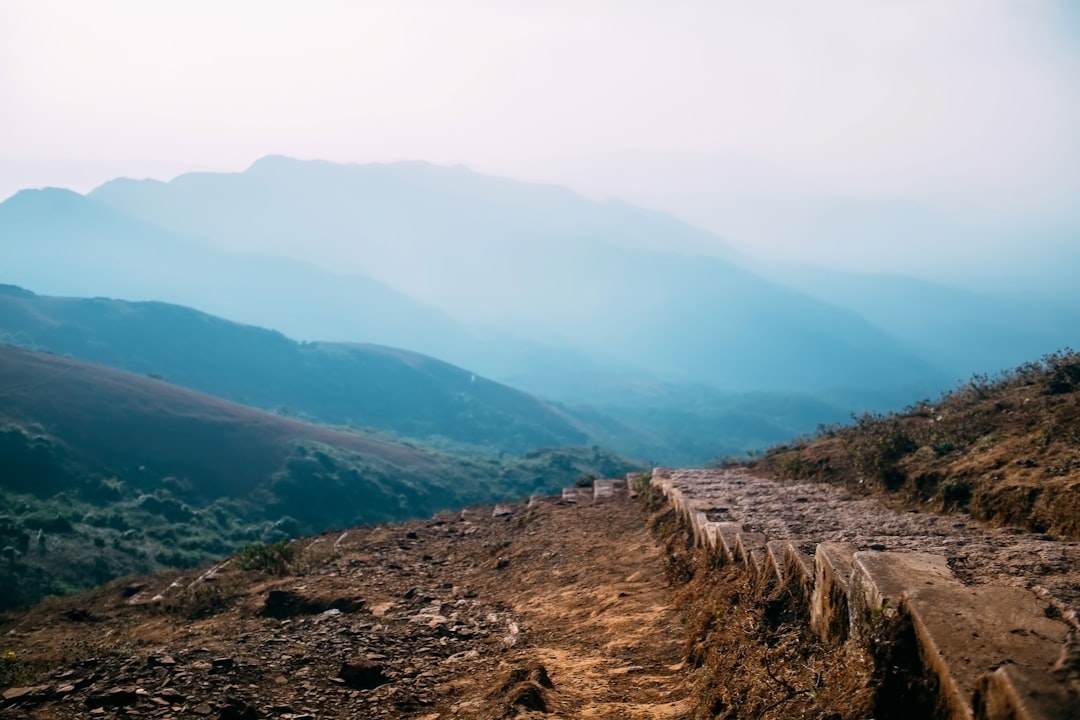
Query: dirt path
{"x": 589, "y": 587}
{"x": 555, "y": 611}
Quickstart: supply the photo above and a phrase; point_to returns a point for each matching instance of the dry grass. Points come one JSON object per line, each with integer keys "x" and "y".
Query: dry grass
{"x": 1005, "y": 449}
{"x": 752, "y": 647}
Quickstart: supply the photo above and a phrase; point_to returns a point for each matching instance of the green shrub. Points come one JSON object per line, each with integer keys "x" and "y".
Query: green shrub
{"x": 274, "y": 558}
{"x": 792, "y": 465}
{"x": 944, "y": 448}
{"x": 11, "y": 671}
{"x": 641, "y": 483}
{"x": 955, "y": 493}
{"x": 585, "y": 481}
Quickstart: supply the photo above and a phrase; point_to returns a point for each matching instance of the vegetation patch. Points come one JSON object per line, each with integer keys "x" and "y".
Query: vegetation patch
{"x": 275, "y": 558}
{"x": 100, "y": 521}
{"x": 1005, "y": 449}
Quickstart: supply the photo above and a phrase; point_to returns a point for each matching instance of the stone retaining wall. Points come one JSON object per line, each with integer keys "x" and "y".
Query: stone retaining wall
{"x": 997, "y": 649}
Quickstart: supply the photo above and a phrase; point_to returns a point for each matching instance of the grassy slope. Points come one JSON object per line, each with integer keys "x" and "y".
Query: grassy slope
{"x": 364, "y": 385}
{"x": 104, "y": 473}
{"x": 1005, "y": 449}
{"x": 113, "y": 419}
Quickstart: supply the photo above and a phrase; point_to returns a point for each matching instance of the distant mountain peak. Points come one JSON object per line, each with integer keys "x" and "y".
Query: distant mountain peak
{"x": 15, "y": 291}
{"x": 271, "y": 162}
{"x": 50, "y": 202}
{"x": 37, "y": 196}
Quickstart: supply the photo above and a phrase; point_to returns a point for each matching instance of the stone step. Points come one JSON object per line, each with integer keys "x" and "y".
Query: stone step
{"x": 604, "y": 490}
{"x": 998, "y": 652}
{"x": 965, "y": 633}
{"x": 577, "y": 495}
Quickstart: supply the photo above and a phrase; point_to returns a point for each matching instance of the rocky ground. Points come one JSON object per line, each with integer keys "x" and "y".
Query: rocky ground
{"x": 552, "y": 608}
{"x": 488, "y": 613}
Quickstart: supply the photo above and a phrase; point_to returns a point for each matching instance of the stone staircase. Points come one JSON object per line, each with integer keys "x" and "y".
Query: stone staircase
{"x": 993, "y": 611}
{"x": 601, "y": 491}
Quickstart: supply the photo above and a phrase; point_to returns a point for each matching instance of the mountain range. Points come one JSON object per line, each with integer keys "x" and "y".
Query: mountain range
{"x": 365, "y": 253}
{"x": 616, "y": 314}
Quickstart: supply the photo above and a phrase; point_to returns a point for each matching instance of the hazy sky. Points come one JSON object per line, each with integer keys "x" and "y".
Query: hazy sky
{"x": 971, "y": 101}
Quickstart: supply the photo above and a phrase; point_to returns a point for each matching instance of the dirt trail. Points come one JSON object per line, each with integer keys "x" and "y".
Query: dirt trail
{"x": 553, "y": 610}
{"x": 605, "y": 626}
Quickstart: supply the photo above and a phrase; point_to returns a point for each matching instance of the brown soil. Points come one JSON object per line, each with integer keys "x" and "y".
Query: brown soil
{"x": 552, "y": 610}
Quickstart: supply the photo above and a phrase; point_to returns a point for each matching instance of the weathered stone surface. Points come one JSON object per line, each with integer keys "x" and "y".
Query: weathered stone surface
{"x": 1015, "y": 693}
{"x": 829, "y": 612}
{"x": 728, "y": 533}
{"x": 798, "y": 565}
{"x": 33, "y": 693}
{"x": 775, "y": 550}
{"x": 798, "y": 576}
{"x": 605, "y": 490}
{"x": 750, "y": 551}
{"x": 577, "y": 495}
{"x": 879, "y": 580}
{"x": 808, "y": 513}
{"x": 699, "y": 521}
{"x": 966, "y": 632}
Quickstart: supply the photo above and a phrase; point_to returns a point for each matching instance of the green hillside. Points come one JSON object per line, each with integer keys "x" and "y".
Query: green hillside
{"x": 366, "y": 386}
{"x": 106, "y": 473}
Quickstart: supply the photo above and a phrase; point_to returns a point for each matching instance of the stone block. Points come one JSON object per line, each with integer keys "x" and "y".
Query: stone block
{"x": 1015, "y": 693}
{"x": 775, "y": 550}
{"x": 728, "y": 533}
{"x": 579, "y": 496}
{"x": 879, "y": 580}
{"x": 712, "y": 542}
{"x": 798, "y": 576}
{"x": 829, "y": 615}
{"x": 750, "y": 551}
{"x": 966, "y": 632}
{"x": 798, "y": 566}
{"x": 698, "y": 522}
{"x": 604, "y": 490}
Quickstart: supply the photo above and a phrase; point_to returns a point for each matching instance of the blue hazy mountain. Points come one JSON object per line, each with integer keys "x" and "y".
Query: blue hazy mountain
{"x": 540, "y": 263}
{"x": 961, "y": 331}
{"x": 57, "y": 241}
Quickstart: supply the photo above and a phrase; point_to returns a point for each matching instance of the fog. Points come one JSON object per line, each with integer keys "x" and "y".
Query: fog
{"x": 925, "y": 137}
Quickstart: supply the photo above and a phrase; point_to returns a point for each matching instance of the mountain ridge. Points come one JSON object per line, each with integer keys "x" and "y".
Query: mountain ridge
{"x": 369, "y": 385}
{"x": 540, "y": 261}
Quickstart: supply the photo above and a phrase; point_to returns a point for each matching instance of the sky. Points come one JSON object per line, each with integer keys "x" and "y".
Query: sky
{"x": 754, "y": 118}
